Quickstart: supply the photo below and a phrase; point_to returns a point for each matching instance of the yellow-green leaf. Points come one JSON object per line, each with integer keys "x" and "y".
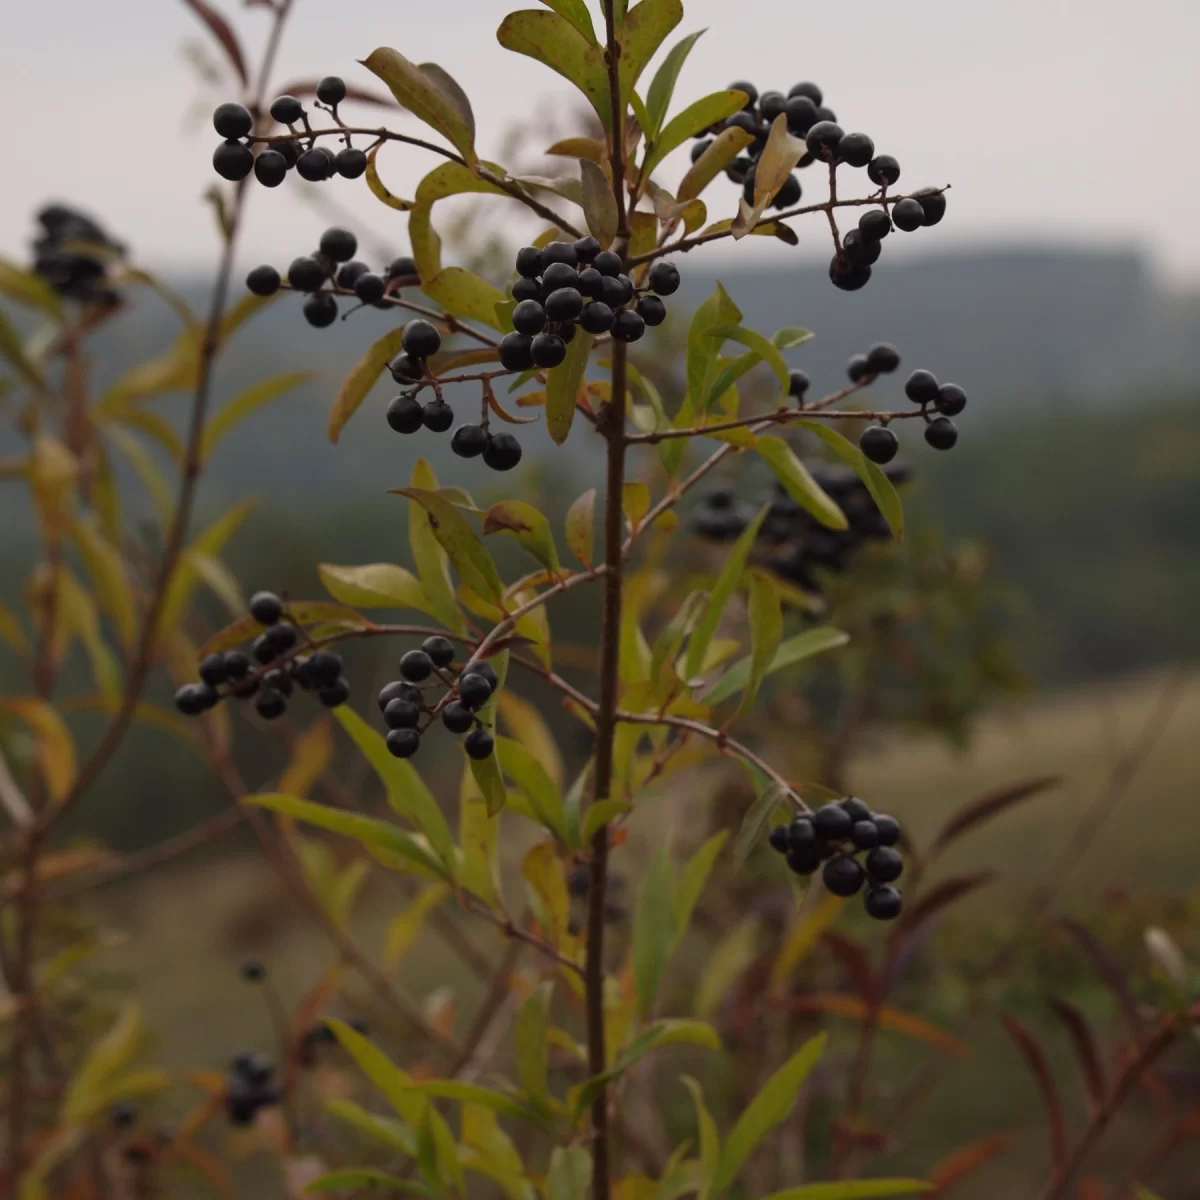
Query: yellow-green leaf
{"x": 653, "y": 930}
{"x": 459, "y": 541}
{"x": 423, "y": 96}
{"x": 531, "y": 1036}
{"x": 799, "y": 484}
{"x": 378, "y": 189}
{"x": 257, "y": 396}
{"x": 762, "y": 348}
{"x": 726, "y": 146}
{"x": 717, "y": 310}
{"x": 109, "y": 578}
{"x": 361, "y": 379}
{"x": 710, "y": 1139}
{"x": 28, "y": 288}
{"x": 534, "y": 783}
{"x": 853, "y": 1189}
{"x": 694, "y": 119}
{"x": 599, "y": 203}
{"x": 403, "y": 929}
{"x": 581, "y": 523}
{"x": 85, "y": 1093}
{"x": 562, "y": 386}
{"x": 692, "y": 880}
{"x": 803, "y": 936}
{"x": 528, "y": 525}
{"x": 305, "y": 612}
{"x": 428, "y": 556}
{"x": 354, "y": 1178}
{"x": 375, "y": 585}
{"x": 662, "y": 86}
{"x": 732, "y": 955}
{"x": 491, "y": 783}
{"x": 642, "y": 31}
{"x": 877, "y": 483}
{"x": 795, "y": 649}
{"x": 570, "y": 1173}
{"x": 465, "y": 294}
{"x": 766, "y": 630}
{"x": 55, "y": 746}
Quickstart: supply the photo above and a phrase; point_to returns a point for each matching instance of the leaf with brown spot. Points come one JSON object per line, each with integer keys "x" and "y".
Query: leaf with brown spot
{"x": 1031, "y": 1052}
{"x": 528, "y": 525}
{"x": 222, "y": 31}
{"x": 1083, "y": 1040}
{"x": 961, "y": 1162}
{"x": 988, "y": 805}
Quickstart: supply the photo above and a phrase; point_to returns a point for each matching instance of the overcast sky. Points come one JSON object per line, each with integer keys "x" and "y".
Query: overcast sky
{"x": 1052, "y": 119}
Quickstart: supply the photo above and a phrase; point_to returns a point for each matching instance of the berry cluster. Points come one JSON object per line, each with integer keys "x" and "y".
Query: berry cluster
{"x": 791, "y": 542}
{"x": 808, "y": 118}
{"x": 408, "y": 713}
{"x": 568, "y": 284}
{"x": 834, "y": 835}
{"x": 332, "y": 271}
{"x": 72, "y": 255}
{"x": 249, "y": 1088}
{"x": 879, "y": 443}
{"x": 234, "y": 157}
{"x": 271, "y": 685}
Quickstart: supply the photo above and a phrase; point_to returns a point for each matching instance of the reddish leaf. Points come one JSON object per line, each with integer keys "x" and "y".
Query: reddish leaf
{"x": 988, "y": 805}
{"x": 222, "y": 31}
{"x": 961, "y": 1162}
{"x": 1091, "y": 1188}
{"x": 885, "y": 1017}
{"x": 854, "y": 961}
{"x": 938, "y": 898}
{"x": 1032, "y": 1054}
{"x": 1084, "y": 1042}
{"x": 308, "y": 87}
{"x": 1108, "y": 970}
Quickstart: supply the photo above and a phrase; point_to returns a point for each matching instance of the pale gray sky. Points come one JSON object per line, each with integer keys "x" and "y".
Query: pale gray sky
{"x": 1053, "y": 119}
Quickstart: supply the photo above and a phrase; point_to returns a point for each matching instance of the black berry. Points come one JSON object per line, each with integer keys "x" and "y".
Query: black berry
{"x": 564, "y": 304}
{"x": 237, "y": 664}
{"x": 864, "y": 835}
{"x": 951, "y": 400}
{"x": 469, "y": 441}
{"x": 804, "y": 860}
{"x": 586, "y": 249}
{"x": 334, "y": 694}
{"x": 663, "y": 279}
{"x": 479, "y": 743}
{"x": 278, "y": 680}
{"x": 515, "y": 353}
{"x": 262, "y": 650}
{"x": 596, "y": 317}
{"x": 884, "y": 865}
{"x": 313, "y": 165}
{"x": 933, "y": 205}
{"x": 439, "y": 649}
{"x": 527, "y": 289}
{"x": 778, "y": 839}
{"x": 305, "y": 274}
{"x": 457, "y": 718}
{"x": 212, "y": 670}
{"x": 652, "y": 310}
{"x": 233, "y": 161}
{"x": 832, "y": 822}
{"x": 529, "y": 262}
{"x": 403, "y": 743}
{"x": 590, "y": 283}
{"x": 787, "y": 195}
{"x": 529, "y": 317}
{"x": 848, "y": 276}
{"x": 798, "y": 384}
{"x": 807, "y": 89}
{"x": 607, "y": 263}
{"x": 908, "y": 215}
{"x": 287, "y": 110}
{"x": 350, "y": 163}
{"x": 547, "y": 349}
{"x": 858, "y": 368}
{"x": 628, "y": 326}
{"x": 402, "y": 714}
{"x": 801, "y": 115}
{"x": 320, "y": 310}
{"x": 884, "y": 358}
{"x": 750, "y": 90}
{"x": 921, "y": 387}
{"x": 875, "y": 224}
{"x": 437, "y": 416}
{"x": 771, "y": 104}
{"x": 416, "y": 666}
{"x": 339, "y": 244}
{"x": 474, "y": 691}
{"x": 270, "y": 168}
{"x": 405, "y": 414}
{"x": 403, "y": 267}
{"x": 883, "y": 902}
{"x": 856, "y": 150}
{"x": 941, "y": 433}
{"x": 485, "y": 669}
{"x": 888, "y": 828}
{"x": 270, "y": 704}
{"x": 349, "y": 273}
{"x": 397, "y": 690}
{"x": 331, "y": 90}
{"x": 559, "y": 252}
{"x": 883, "y": 170}
{"x": 370, "y": 288}
{"x": 698, "y": 148}
{"x": 856, "y": 809}
{"x": 325, "y": 668}
{"x": 859, "y": 250}
{"x": 406, "y": 369}
{"x": 191, "y": 699}
{"x": 232, "y": 121}
{"x": 263, "y": 281}
{"x": 421, "y": 339}
{"x": 823, "y": 140}
{"x": 879, "y": 444}
{"x": 266, "y": 607}
{"x": 843, "y": 875}
{"x": 802, "y": 833}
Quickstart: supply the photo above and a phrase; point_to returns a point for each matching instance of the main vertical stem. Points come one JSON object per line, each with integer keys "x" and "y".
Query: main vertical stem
{"x": 611, "y": 424}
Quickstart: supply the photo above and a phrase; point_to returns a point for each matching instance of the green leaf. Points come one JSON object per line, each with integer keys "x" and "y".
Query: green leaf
{"x": 600, "y": 814}
{"x": 532, "y": 1043}
{"x": 877, "y": 483}
{"x": 528, "y": 525}
{"x": 394, "y": 1084}
{"x": 694, "y": 119}
{"x": 351, "y": 1178}
{"x": 555, "y": 41}
{"x": 710, "y": 1139}
{"x": 387, "y": 1130}
{"x": 429, "y": 558}
{"x": 599, "y": 204}
{"x": 758, "y": 817}
{"x": 25, "y": 287}
{"x": 640, "y": 34}
{"x": 106, "y": 567}
{"x": 790, "y": 336}
{"x": 722, "y": 590}
{"x": 581, "y": 524}
{"x": 404, "y": 927}
{"x": 856, "y": 1189}
{"x": 256, "y": 396}
{"x": 691, "y": 882}
{"x": 702, "y": 351}
{"x": 422, "y": 95}
{"x": 473, "y": 1093}
{"x": 377, "y": 836}
{"x": 562, "y": 386}
{"x": 795, "y": 649}
{"x": 800, "y": 485}
{"x": 769, "y": 1108}
{"x": 533, "y": 781}
{"x": 361, "y": 379}
{"x": 305, "y": 612}
{"x": 570, "y": 1174}
{"x": 452, "y": 90}
{"x": 147, "y": 470}
{"x": 375, "y": 585}
{"x": 86, "y": 1091}
{"x": 653, "y": 930}
{"x": 576, "y": 12}
{"x": 12, "y": 350}
{"x": 491, "y": 783}
{"x": 662, "y": 86}
{"x": 459, "y": 541}
{"x": 726, "y": 146}
{"x": 378, "y": 188}
{"x": 465, "y": 294}
{"x": 406, "y": 791}
{"x": 766, "y": 630}
{"x": 763, "y": 347}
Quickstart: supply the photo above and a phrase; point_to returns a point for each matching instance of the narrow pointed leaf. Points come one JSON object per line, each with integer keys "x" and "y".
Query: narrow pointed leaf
{"x": 799, "y": 484}
{"x": 796, "y": 649}
{"x": 459, "y": 541}
{"x": 726, "y": 146}
{"x": 361, "y": 379}
{"x": 854, "y": 1189}
{"x": 662, "y": 86}
{"x": 766, "y": 630}
{"x": 694, "y": 119}
{"x": 257, "y": 396}
{"x": 562, "y": 386}
{"x": 528, "y": 525}
{"x": 883, "y": 492}
{"x": 1032, "y": 1053}
{"x": 375, "y": 585}
{"x": 641, "y": 33}
{"x": 599, "y": 203}
{"x": 581, "y": 523}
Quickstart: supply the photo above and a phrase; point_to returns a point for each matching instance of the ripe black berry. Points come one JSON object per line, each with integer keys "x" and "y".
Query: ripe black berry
{"x": 290, "y": 151}
{"x": 123, "y": 1115}
{"x": 266, "y": 607}
{"x": 941, "y": 433}
{"x": 479, "y": 743}
{"x": 798, "y": 384}
{"x": 233, "y": 161}
{"x": 861, "y": 251}
{"x": 482, "y": 668}
{"x": 439, "y": 649}
{"x": 403, "y": 743}
{"x": 742, "y": 120}
{"x": 526, "y": 289}
{"x": 883, "y": 170}
{"x": 856, "y": 809}
{"x": 771, "y": 104}
{"x": 614, "y": 291}
{"x": 457, "y": 718}
{"x": 334, "y": 694}
{"x": 607, "y": 263}
{"x": 802, "y": 833}
{"x": 515, "y": 353}
{"x": 858, "y": 368}
{"x": 566, "y": 331}
{"x": 529, "y": 262}
{"x": 350, "y": 163}
{"x": 778, "y": 839}
{"x": 586, "y": 249}
{"x": 287, "y": 110}
{"x": 350, "y": 273}
{"x": 698, "y": 148}
{"x": 320, "y": 310}
{"x": 879, "y": 444}
{"x": 397, "y": 690}
{"x": 421, "y": 339}
{"x": 262, "y": 649}
{"x": 804, "y": 860}
{"x": 921, "y": 387}
{"x": 823, "y": 140}
{"x": 628, "y": 326}
{"x": 547, "y": 350}
{"x": 864, "y": 835}
{"x": 402, "y": 714}
{"x": 189, "y": 699}
{"x": 884, "y": 358}
{"x": 846, "y": 275}
{"x": 557, "y": 275}
{"x": 883, "y": 902}
{"x": 403, "y": 267}
{"x": 596, "y": 317}
{"x": 875, "y": 224}
{"x": 843, "y": 875}
{"x": 559, "y": 252}
{"x": 406, "y": 369}
{"x": 270, "y": 168}
{"x": 469, "y": 441}
{"x": 951, "y": 400}
{"x": 416, "y": 666}
{"x": 270, "y": 704}
{"x": 212, "y": 670}
{"x": 237, "y": 664}
{"x": 564, "y": 304}
{"x": 232, "y": 121}
{"x": 856, "y": 150}
{"x": 339, "y": 244}
{"x": 908, "y": 215}
{"x": 663, "y": 279}
{"x": 651, "y": 309}
{"x": 807, "y": 89}
{"x": 306, "y": 274}
{"x": 529, "y": 317}
{"x": 331, "y": 90}
{"x": 279, "y": 681}
{"x": 437, "y": 416}
{"x": 888, "y": 827}
{"x": 787, "y": 195}
{"x": 405, "y": 414}
{"x": 801, "y": 115}
{"x": 325, "y": 667}
{"x": 263, "y": 281}
{"x": 313, "y": 165}
{"x": 370, "y": 288}
{"x": 884, "y": 864}
{"x": 590, "y": 284}
{"x": 933, "y": 205}
{"x": 474, "y": 691}
{"x": 832, "y": 822}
